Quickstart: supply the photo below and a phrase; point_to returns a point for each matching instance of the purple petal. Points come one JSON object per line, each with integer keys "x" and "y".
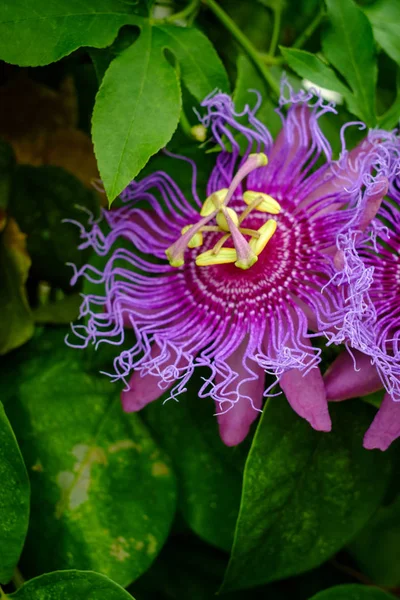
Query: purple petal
{"x": 143, "y": 390}
{"x": 234, "y": 424}
{"x": 373, "y": 201}
{"x": 306, "y": 395}
{"x": 343, "y": 381}
{"x": 385, "y": 428}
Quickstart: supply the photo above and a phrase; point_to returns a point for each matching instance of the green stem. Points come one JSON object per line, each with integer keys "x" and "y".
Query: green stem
{"x": 275, "y": 31}
{"x": 3, "y": 596}
{"x": 17, "y": 578}
{"x": 244, "y": 43}
{"x": 307, "y": 33}
{"x": 185, "y": 13}
{"x": 271, "y": 60}
{"x": 185, "y": 124}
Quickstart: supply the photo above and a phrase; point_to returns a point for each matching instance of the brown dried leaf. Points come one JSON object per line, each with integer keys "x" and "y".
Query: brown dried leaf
{"x": 40, "y": 124}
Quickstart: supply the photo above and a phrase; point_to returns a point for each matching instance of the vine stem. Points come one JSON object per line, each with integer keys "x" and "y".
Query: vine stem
{"x": 17, "y": 579}
{"x": 275, "y": 31}
{"x": 244, "y": 42}
{"x": 307, "y": 33}
{"x": 185, "y": 13}
{"x": 185, "y": 124}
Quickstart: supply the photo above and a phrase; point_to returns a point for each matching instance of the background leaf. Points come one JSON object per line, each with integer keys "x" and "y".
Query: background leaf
{"x": 96, "y": 473}
{"x": 140, "y": 95}
{"x": 209, "y": 473}
{"x": 71, "y": 585}
{"x": 16, "y": 326}
{"x": 311, "y": 67}
{"x": 38, "y": 32}
{"x": 42, "y": 197}
{"x": 385, "y": 19}
{"x": 353, "y": 592}
{"x": 305, "y": 493}
{"x": 349, "y": 46}
{"x": 377, "y": 547}
{"x": 14, "y": 500}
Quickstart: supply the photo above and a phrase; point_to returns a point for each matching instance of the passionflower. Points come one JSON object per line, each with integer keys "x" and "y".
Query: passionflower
{"x": 236, "y": 281}
{"x": 372, "y": 361}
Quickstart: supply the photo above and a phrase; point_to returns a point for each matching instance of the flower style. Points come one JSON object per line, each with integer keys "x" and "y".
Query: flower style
{"x": 247, "y": 271}
{"x": 351, "y": 374}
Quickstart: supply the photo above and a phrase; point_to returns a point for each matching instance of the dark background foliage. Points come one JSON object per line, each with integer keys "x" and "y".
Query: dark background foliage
{"x": 93, "y": 501}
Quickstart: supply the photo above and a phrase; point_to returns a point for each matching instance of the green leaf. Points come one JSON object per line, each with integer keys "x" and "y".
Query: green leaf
{"x": 391, "y": 117}
{"x": 16, "y": 325}
{"x": 377, "y": 547}
{"x": 102, "y": 58}
{"x": 38, "y": 32}
{"x": 61, "y": 312}
{"x": 209, "y": 473}
{"x": 305, "y": 493}
{"x": 349, "y": 46}
{"x": 42, "y": 197}
{"x": 102, "y": 490}
{"x": 71, "y": 585}
{"x": 311, "y": 67}
{"x": 137, "y": 110}
{"x": 201, "y": 68}
{"x": 14, "y": 500}
{"x": 385, "y": 19}
{"x": 353, "y": 592}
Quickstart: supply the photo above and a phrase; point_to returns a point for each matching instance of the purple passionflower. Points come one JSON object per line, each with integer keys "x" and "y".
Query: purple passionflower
{"x": 373, "y": 359}
{"x": 245, "y": 287}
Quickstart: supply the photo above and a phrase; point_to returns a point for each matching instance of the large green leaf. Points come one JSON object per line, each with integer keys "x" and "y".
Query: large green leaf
{"x": 377, "y": 547}
{"x": 348, "y": 44}
{"x": 71, "y": 585}
{"x": 385, "y": 19}
{"x": 42, "y": 197}
{"x": 210, "y": 474}
{"x": 305, "y": 493}
{"x": 14, "y": 500}
{"x": 353, "y": 592}
{"x": 137, "y": 110}
{"x": 140, "y": 95}
{"x": 102, "y": 490}
{"x": 38, "y": 32}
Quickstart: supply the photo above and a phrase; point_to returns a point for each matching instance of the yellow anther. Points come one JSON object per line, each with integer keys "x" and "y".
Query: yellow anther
{"x": 174, "y": 262}
{"x": 224, "y": 256}
{"x": 262, "y": 159}
{"x": 266, "y": 204}
{"x": 266, "y": 232}
{"x": 221, "y": 219}
{"x": 196, "y": 240}
{"x": 199, "y": 132}
{"x": 213, "y": 202}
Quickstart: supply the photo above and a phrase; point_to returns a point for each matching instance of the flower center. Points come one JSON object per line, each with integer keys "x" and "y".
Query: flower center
{"x": 229, "y": 224}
